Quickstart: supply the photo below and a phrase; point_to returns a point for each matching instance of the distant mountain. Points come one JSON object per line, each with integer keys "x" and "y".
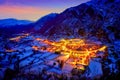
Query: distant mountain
{"x": 100, "y": 18}
{"x": 13, "y": 22}
{"x": 13, "y": 26}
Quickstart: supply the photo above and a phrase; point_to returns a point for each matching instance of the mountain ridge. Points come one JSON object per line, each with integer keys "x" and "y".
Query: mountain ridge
{"x": 93, "y": 18}
{"x": 12, "y": 22}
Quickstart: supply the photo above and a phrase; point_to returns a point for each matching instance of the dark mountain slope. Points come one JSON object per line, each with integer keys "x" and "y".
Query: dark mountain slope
{"x": 42, "y": 21}
{"x": 95, "y": 18}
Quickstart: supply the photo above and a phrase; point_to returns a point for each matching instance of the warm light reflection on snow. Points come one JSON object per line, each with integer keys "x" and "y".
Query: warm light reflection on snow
{"x": 76, "y": 52}
{"x": 18, "y": 37}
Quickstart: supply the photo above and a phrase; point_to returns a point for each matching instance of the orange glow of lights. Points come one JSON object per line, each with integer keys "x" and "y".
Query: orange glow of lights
{"x": 10, "y": 50}
{"x": 18, "y": 38}
{"x": 76, "y": 52}
{"x": 35, "y": 47}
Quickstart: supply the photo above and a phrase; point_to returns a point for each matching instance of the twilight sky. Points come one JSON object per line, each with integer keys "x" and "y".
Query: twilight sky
{"x": 34, "y": 9}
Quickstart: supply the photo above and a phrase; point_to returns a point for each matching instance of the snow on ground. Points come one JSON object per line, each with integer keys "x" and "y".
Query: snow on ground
{"x": 31, "y": 61}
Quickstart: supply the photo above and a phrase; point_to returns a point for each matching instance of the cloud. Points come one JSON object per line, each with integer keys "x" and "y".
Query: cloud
{"x": 19, "y": 12}
{"x": 34, "y": 9}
